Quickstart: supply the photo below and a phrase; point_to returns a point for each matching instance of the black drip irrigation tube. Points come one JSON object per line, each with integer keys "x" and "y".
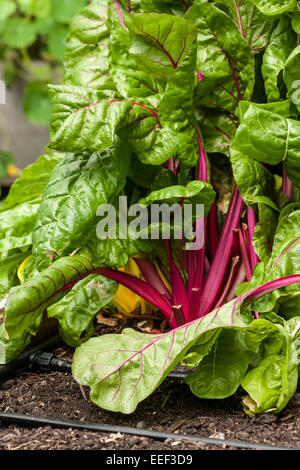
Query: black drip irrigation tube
{"x": 37, "y": 359}
{"x": 23, "y": 360}
{"x": 16, "y": 418}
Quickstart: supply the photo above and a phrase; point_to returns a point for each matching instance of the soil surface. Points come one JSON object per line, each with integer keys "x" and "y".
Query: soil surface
{"x": 172, "y": 408}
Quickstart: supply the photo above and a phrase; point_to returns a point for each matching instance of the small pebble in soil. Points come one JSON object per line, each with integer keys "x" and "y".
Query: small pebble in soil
{"x": 217, "y": 435}
{"x": 141, "y": 425}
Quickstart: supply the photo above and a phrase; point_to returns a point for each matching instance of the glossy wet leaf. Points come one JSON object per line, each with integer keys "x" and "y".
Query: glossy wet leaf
{"x": 122, "y": 370}
{"x": 221, "y": 372}
{"x": 16, "y": 226}
{"x": 275, "y": 7}
{"x": 77, "y": 309}
{"x": 159, "y": 42}
{"x": 282, "y": 42}
{"x": 223, "y": 57}
{"x": 33, "y": 180}
{"x": 24, "y": 307}
{"x": 195, "y": 192}
{"x": 269, "y": 138}
{"x": 274, "y": 381}
{"x": 77, "y": 187}
{"x": 87, "y": 47}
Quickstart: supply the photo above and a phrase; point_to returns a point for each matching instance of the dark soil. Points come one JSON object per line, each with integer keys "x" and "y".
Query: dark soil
{"x": 172, "y": 408}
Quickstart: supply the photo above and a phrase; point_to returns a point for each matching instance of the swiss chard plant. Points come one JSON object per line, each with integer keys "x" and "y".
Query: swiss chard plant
{"x": 194, "y": 102}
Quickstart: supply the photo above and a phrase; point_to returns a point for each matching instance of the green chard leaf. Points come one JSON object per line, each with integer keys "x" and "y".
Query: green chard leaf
{"x": 159, "y": 42}
{"x": 255, "y": 182}
{"x": 291, "y": 77}
{"x": 282, "y": 42}
{"x": 84, "y": 119}
{"x": 195, "y": 192}
{"x": 122, "y": 370}
{"x": 221, "y": 372}
{"x": 87, "y": 52}
{"x": 128, "y": 78}
{"x": 77, "y": 186}
{"x": 253, "y": 25}
{"x": 269, "y": 138}
{"x": 33, "y": 180}
{"x": 23, "y": 309}
{"x": 8, "y": 272}
{"x": 77, "y": 309}
{"x": 16, "y": 226}
{"x": 274, "y": 381}
{"x": 282, "y": 261}
{"x": 224, "y": 59}
{"x": 275, "y": 7}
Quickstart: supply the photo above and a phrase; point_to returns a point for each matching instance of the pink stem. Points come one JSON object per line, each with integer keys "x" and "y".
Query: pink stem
{"x": 180, "y": 299}
{"x": 213, "y": 230}
{"x": 240, "y": 277}
{"x": 219, "y": 265}
{"x": 152, "y": 277}
{"x": 264, "y": 289}
{"x": 234, "y": 265}
{"x": 251, "y": 221}
{"x": 287, "y": 185}
{"x": 120, "y": 14}
{"x": 245, "y": 255}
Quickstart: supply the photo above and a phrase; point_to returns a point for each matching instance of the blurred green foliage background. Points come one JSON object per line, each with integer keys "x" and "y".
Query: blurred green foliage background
{"x": 32, "y": 45}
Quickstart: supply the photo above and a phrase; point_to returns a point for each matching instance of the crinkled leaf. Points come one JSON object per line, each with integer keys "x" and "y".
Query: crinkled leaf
{"x": 159, "y": 42}
{"x": 223, "y": 57}
{"x": 33, "y": 180}
{"x": 77, "y": 309}
{"x": 87, "y": 47}
{"x": 25, "y": 304}
{"x": 195, "y": 192}
{"x": 269, "y": 138}
{"x": 128, "y": 78}
{"x": 122, "y": 370}
{"x": 221, "y": 372}
{"x": 281, "y": 45}
{"x": 110, "y": 252}
{"x": 254, "y": 26}
{"x": 218, "y": 128}
{"x": 255, "y": 182}
{"x": 176, "y": 109}
{"x": 274, "y": 381}
{"x": 275, "y": 7}
{"x": 283, "y": 261}
{"x": 16, "y": 226}
{"x": 85, "y": 119}
{"x": 77, "y": 187}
